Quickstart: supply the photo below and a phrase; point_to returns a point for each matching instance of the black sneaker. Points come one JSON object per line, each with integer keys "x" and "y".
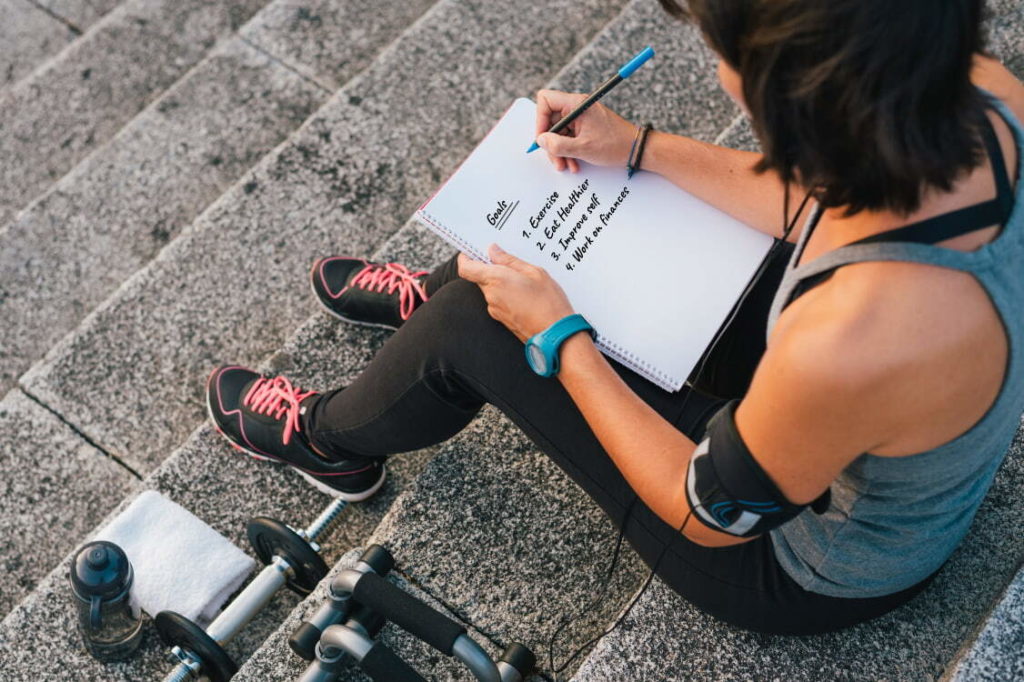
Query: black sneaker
{"x": 261, "y": 416}
{"x": 372, "y": 294}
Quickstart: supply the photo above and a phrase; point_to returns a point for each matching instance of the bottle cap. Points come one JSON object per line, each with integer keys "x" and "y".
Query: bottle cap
{"x": 101, "y": 569}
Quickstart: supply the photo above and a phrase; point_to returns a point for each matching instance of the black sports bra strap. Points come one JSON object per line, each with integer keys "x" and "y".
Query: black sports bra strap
{"x": 968, "y": 219}
{"x": 945, "y": 226}
{"x": 1004, "y": 192}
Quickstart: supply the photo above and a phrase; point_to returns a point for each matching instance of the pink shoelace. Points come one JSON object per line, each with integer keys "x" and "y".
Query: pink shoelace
{"x": 277, "y": 398}
{"x": 393, "y": 276}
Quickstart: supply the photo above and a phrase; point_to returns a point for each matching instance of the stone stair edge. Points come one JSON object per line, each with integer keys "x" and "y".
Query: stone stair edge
{"x": 82, "y": 33}
{"x": 993, "y": 651}
{"x": 67, "y": 113}
{"x": 39, "y": 212}
{"x": 36, "y": 435}
{"x": 31, "y": 35}
{"x": 168, "y": 249}
{"x": 284, "y": 173}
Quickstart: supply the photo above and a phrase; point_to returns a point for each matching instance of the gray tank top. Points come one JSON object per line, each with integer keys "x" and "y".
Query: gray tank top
{"x": 893, "y": 521}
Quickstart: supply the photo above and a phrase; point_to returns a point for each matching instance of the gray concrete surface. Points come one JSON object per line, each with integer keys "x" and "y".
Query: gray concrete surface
{"x": 80, "y": 13}
{"x": 330, "y": 41}
{"x": 497, "y": 532}
{"x": 29, "y": 36}
{"x": 233, "y": 287}
{"x": 107, "y": 218}
{"x": 676, "y": 90}
{"x": 997, "y": 653}
{"x": 55, "y": 488}
{"x": 665, "y": 638}
{"x": 52, "y": 120}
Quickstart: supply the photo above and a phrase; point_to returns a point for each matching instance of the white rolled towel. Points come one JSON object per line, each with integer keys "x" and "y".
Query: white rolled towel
{"x": 180, "y": 563}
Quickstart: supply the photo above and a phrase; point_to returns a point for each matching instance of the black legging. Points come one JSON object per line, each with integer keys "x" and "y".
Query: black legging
{"x": 450, "y": 358}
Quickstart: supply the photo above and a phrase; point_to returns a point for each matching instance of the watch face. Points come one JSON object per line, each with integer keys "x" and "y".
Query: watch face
{"x": 537, "y": 359}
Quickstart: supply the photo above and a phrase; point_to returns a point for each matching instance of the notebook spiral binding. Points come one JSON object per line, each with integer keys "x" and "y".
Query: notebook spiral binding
{"x": 609, "y": 347}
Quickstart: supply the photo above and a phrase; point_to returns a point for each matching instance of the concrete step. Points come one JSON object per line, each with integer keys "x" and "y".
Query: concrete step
{"x": 138, "y": 190}
{"x": 114, "y": 211}
{"x": 30, "y": 35}
{"x": 56, "y": 486}
{"x": 329, "y": 41}
{"x": 73, "y": 104}
{"x": 997, "y": 653}
{"x": 79, "y": 13}
{"x": 109, "y": 216}
{"x": 233, "y": 286}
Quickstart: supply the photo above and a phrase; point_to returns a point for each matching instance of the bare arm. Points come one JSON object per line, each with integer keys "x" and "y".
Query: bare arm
{"x": 722, "y": 177}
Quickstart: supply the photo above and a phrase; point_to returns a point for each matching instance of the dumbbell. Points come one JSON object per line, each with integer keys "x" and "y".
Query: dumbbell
{"x": 291, "y": 558}
{"x": 371, "y": 590}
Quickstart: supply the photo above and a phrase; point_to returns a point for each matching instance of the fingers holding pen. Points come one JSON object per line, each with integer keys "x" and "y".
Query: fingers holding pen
{"x": 552, "y": 106}
{"x": 598, "y": 135}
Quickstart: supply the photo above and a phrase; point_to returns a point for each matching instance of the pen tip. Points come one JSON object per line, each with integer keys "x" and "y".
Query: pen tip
{"x": 533, "y": 147}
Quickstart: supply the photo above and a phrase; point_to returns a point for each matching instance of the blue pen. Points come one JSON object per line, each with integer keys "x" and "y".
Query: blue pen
{"x": 624, "y": 73}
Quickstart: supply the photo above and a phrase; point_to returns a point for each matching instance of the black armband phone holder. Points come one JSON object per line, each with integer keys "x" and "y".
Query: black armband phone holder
{"x": 727, "y": 489}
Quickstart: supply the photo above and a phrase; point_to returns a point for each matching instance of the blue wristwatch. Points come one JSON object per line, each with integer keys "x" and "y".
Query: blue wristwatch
{"x": 542, "y": 347}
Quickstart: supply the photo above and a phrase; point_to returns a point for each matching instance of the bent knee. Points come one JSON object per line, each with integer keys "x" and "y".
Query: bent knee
{"x": 458, "y": 311}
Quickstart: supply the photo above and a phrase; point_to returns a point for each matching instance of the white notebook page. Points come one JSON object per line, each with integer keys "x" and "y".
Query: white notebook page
{"x": 652, "y": 268}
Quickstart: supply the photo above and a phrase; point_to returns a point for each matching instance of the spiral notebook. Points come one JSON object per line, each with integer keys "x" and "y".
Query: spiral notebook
{"x": 655, "y": 270}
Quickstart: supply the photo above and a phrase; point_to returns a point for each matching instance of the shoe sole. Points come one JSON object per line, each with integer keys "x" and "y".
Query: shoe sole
{"x": 322, "y": 487}
{"x": 348, "y": 497}
{"x": 333, "y": 313}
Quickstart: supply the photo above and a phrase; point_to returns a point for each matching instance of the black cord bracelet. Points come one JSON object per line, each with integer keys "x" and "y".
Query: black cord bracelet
{"x": 636, "y": 153}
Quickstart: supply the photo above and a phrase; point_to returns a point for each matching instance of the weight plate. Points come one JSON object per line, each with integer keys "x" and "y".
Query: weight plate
{"x": 177, "y": 630}
{"x": 270, "y": 538}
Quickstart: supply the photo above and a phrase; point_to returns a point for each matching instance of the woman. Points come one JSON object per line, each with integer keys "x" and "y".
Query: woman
{"x": 800, "y": 487}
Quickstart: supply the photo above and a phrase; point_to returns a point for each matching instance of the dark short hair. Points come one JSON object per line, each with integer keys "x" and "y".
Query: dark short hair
{"x": 869, "y": 100}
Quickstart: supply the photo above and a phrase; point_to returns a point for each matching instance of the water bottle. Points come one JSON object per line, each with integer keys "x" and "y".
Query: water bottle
{"x": 101, "y": 579}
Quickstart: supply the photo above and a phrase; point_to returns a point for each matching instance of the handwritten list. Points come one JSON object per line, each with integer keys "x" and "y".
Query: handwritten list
{"x": 688, "y": 262}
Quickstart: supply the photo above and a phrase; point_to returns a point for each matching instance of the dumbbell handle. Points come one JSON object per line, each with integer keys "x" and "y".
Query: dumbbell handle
{"x": 250, "y": 601}
{"x": 418, "y": 619}
{"x": 401, "y": 608}
{"x": 374, "y": 658}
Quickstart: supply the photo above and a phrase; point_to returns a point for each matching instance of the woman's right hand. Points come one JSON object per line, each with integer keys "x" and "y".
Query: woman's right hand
{"x": 598, "y": 136}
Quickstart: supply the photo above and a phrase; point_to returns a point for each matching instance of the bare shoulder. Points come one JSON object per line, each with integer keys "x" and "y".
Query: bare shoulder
{"x": 924, "y": 342}
{"x": 991, "y": 75}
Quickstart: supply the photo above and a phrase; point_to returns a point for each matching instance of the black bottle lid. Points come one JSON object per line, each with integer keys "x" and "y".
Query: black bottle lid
{"x": 101, "y": 570}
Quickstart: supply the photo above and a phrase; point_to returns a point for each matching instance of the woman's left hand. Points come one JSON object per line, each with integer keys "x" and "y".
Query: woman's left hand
{"x": 521, "y": 296}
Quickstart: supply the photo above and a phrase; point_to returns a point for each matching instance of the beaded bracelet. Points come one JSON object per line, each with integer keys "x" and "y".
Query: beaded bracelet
{"x": 636, "y": 152}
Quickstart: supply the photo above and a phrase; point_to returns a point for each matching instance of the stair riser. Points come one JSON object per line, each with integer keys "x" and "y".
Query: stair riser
{"x": 69, "y": 108}
{"x": 113, "y": 213}
{"x": 232, "y": 288}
